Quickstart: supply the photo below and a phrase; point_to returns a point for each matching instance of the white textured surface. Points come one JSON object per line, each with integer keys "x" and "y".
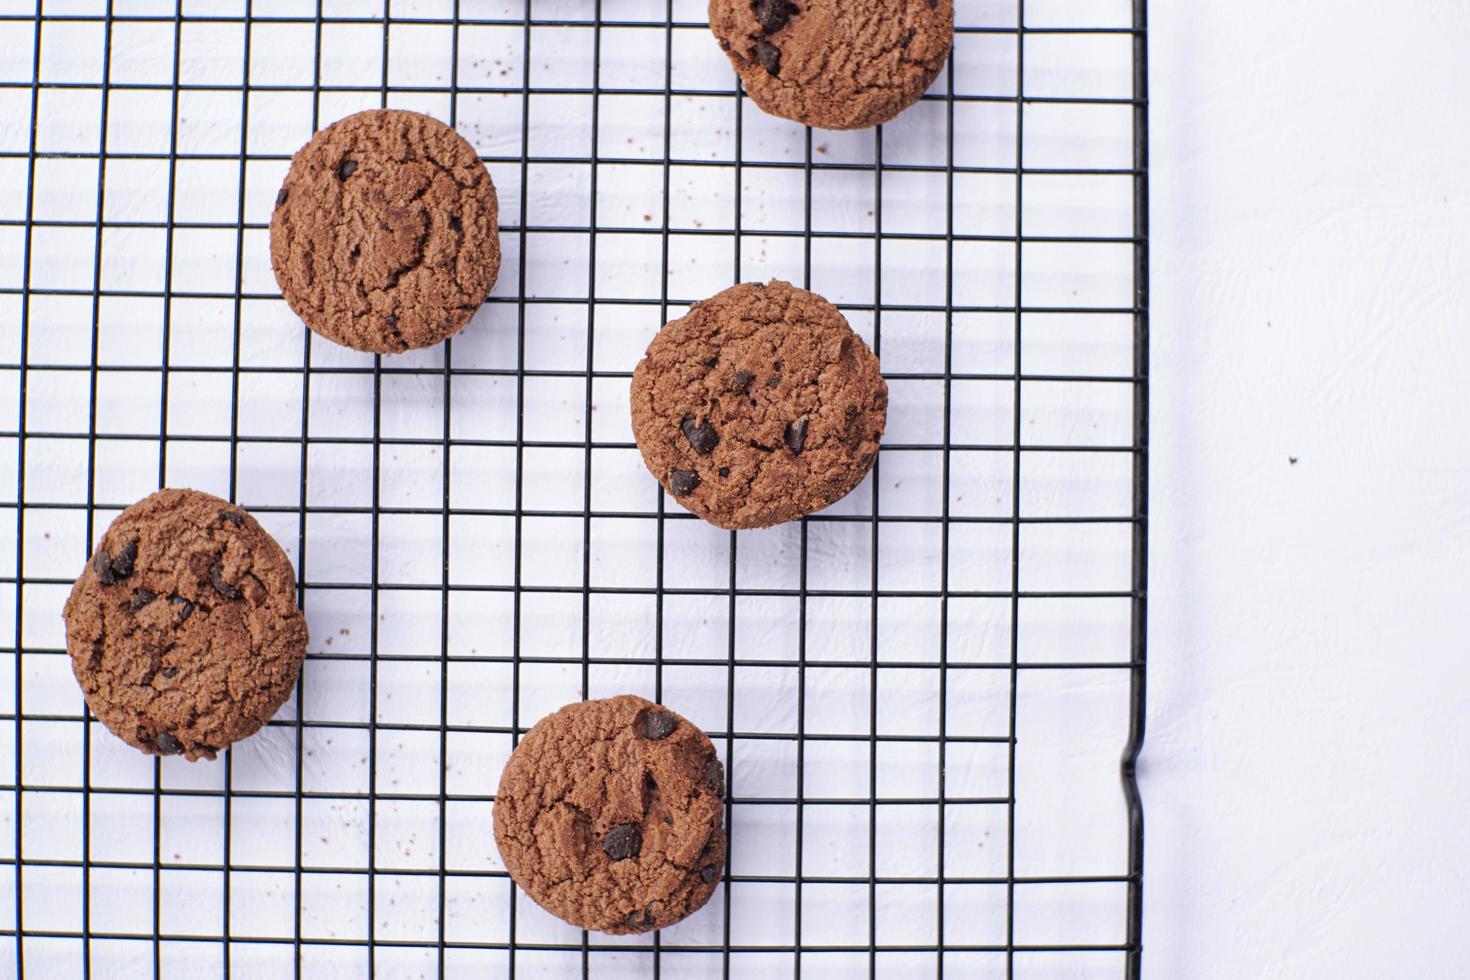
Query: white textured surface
{"x": 1307, "y": 771}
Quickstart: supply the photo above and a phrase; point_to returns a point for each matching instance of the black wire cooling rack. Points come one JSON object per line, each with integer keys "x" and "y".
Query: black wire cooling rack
{"x": 893, "y": 684}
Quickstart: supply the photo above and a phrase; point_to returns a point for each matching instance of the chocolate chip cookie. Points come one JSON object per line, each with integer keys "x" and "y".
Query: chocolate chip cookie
{"x": 385, "y": 235}
{"x": 835, "y": 64}
{"x": 609, "y": 815}
{"x": 758, "y": 406}
{"x": 183, "y": 628}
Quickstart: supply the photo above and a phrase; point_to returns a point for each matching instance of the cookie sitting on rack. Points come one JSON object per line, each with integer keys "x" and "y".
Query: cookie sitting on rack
{"x": 835, "y": 64}
{"x": 385, "y": 235}
{"x": 758, "y": 406}
{"x": 183, "y": 629}
{"x": 610, "y": 815}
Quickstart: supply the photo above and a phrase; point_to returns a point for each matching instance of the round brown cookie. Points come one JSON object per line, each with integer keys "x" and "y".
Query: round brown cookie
{"x": 758, "y": 406}
{"x": 835, "y": 64}
{"x": 609, "y": 815}
{"x": 183, "y": 628}
{"x": 385, "y": 233}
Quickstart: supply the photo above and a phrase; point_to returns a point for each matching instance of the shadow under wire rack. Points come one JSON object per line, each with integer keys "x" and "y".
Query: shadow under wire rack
{"x": 920, "y": 694}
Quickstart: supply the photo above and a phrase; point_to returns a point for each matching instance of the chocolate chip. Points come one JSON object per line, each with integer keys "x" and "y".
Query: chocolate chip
{"x": 347, "y": 169}
{"x": 714, "y": 777}
{"x": 622, "y": 842}
{"x": 167, "y": 744}
{"x": 743, "y": 380}
{"x": 701, "y": 435}
{"x": 122, "y": 562}
{"x": 217, "y": 579}
{"x": 724, "y": 471}
{"x": 683, "y": 482}
{"x": 656, "y": 725}
{"x": 796, "y": 435}
{"x": 769, "y": 56}
{"x": 233, "y": 516}
{"x": 773, "y": 14}
{"x": 188, "y": 607}
{"x": 142, "y": 598}
{"x": 709, "y": 874}
{"x": 281, "y": 196}
{"x": 934, "y": 4}
{"x": 102, "y": 565}
{"x": 170, "y": 672}
{"x": 710, "y": 362}
{"x": 774, "y": 381}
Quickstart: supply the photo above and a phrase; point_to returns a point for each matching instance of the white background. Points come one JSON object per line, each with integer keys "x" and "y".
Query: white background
{"x": 1305, "y": 775}
{"x": 1307, "y": 770}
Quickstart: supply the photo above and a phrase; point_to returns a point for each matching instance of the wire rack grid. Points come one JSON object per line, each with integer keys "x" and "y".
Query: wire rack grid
{"x": 920, "y": 694}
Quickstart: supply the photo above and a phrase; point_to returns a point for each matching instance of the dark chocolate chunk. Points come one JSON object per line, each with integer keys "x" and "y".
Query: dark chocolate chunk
{"x": 217, "y": 579}
{"x": 724, "y": 471}
{"x": 455, "y": 223}
{"x": 714, "y": 777}
{"x": 170, "y": 672}
{"x": 683, "y": 482}
{"x": 281, "y": 196}
{"x": 709, "y": 874}
{"x": 168, "y": 745}
{"x": 622, "y": 842}
{"x": 655, "y": 725}
{"x": 102, "y": 565}
{"x": 142, "y": 598}
{"x": 347, "y": 169}
{"x": 701, "y": 435}
{"x": 774, "y": 381}
{"x": 187, "y": 606}
{"x": 233, "y": 516}
{"x": 796, "y": 435}
{"x": 769, "y": 56}
{"x": 122, "y": 562}
{"x": 743, "y": 380}
{"x": 773, "y": 14}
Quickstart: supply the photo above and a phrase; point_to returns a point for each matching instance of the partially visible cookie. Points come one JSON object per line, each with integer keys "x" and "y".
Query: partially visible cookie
{"x": 609, "y": 815}
{"x": 835, "y": 64}
{"x": 385, "y": 235}
{"x": 758, "y": 406}
{"x": 183, "y": 628}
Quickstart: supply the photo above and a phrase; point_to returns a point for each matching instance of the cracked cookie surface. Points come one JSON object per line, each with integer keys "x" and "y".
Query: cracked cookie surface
{"x": 835, "y": 64}
{"x": 385, "y": 234}
{"x": 758, "y": 406}
{"x": 183, "y": 629}
{"x": 609, "y": 815}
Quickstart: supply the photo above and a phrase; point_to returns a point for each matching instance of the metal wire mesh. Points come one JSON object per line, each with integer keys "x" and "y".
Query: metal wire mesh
{"x": 949, "y": 660}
